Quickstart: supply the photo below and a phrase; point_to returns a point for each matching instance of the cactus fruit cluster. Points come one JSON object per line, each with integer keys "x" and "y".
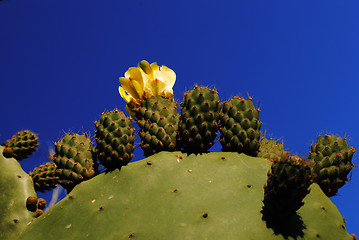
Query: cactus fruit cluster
{"x": 253, "y": 189}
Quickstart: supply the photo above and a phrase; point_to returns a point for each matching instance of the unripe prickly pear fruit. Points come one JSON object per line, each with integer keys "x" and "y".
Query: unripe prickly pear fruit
{"x": 271, "y": 149}
{"x": 158, "y": 119}
{"x": 115, "y": 138}
{"x": 199, "y": 119}
{"x": 75, "y": 160}
{"x": 45, "y": 177}
{"x": 330, "y": 161}
{"x": 21, "y": 145}
{"x": 240, "y": 126}
{"x": 287, "y": 185}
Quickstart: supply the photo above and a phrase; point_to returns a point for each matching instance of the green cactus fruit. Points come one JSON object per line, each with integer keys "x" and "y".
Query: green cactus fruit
{"x": 15, "y": 187}
{"x": 115, "y": 138}
{"x": 287, "y": 185}
{"x": 158, "y": 119}
{"x": 174, "y": 196}
{"x": 240, "y": 126}
{"x": 21, "y": 145}
{"x": 331, "y": 162}
{"x": 199, "y": 119}
{"x": 45, "y": 177}
{"x": 75, "y": 160}
{"x": 271, "y": 149}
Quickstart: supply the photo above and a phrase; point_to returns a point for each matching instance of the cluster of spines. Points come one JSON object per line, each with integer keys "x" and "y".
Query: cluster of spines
{"x": 21, "y": 145}
{"x": 158, "y": 119}
{"x": 45, "y": 177}
{"x": 199, "y": 119}
{"x": 240, "y": 126}
{"x": 331, "y": 161}
{"x": 75, "y": 160}
{"x": 271, "y": 149}
{"x": 287, "y": 185}
{"x": 115, "y": 139}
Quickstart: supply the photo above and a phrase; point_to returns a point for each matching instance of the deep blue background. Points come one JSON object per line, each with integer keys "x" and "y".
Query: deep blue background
{"x": 60, "y": 62}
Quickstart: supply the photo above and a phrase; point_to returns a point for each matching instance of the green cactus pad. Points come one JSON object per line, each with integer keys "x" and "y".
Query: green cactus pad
{"x": 15, "y": 187}
{"x": 199, "y": 119}
{"x": 330, "y": 160}
{"x": 115, "y": 138}
{"x": 21, "y": 145}
{"x": 271, "y": 149}
{"x": 174, "y": 196}
{"x": 158, "y": 119}
{"x": 240, "y": 126}
{"x": 45, "y": 177}
{"x": 75, "y": 160}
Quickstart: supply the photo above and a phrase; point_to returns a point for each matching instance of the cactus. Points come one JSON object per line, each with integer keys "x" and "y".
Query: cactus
{"x": 252, "y": 190}
{"x": 21, "y": 145}
{"x": 158, "y": 119}
{"x": 330, "y": 160}
{"x": 75, "y": 160}
{"x": 240, "y": 126}
{"x": 287, "y": 185}
{"x": 199, "y": 119}
{"x": 114, "y": 137}
{"x": 150, "y": 101}
{"x": 45, "y": 177}
{"x": 15, "y": 187}
{"x": 209, "y": 196}
{"x": 271, "y": 149}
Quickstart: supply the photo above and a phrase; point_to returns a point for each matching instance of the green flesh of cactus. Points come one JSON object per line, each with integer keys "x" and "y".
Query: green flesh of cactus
{"x": 174, "y": 196}
{"x": 330, "y": 160}
{"x": 15, "y": 187}
{"x": 158, "y": 119}
{"x": 240, "y": 127}
{"x": 199, "y": 119}
{"x": 115, "y": 138}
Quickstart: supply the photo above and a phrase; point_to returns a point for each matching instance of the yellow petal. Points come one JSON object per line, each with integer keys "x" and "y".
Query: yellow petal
{"x": 127, "y": 85}
{"x": 138, "y": 88}
{"x": 123, "y": 94}
{"x": 145, "y": 66}
{"x": 169, "y": 77}
{"x": 154, "y": 66}
{"x": 157, "y": 86}
{"x": 134, "y": 74}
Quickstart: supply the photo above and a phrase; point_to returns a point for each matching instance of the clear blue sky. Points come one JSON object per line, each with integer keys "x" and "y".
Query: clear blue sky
{"x": 60, "y": 62}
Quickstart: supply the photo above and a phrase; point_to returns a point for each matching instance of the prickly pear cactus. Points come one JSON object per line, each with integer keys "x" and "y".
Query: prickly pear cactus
{"x": 15, "y": 187}
{"x": 251, "y": 190}
{"x": 174, "y": 196}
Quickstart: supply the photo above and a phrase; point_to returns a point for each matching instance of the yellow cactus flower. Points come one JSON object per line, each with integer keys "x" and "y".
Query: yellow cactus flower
{"x": 149, "y": 79}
